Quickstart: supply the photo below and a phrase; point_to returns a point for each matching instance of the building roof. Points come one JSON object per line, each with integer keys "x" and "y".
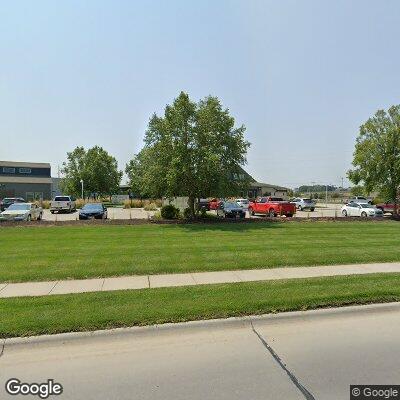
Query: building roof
{"x": 23, "y": 164}
{"x": 276, "y": 187}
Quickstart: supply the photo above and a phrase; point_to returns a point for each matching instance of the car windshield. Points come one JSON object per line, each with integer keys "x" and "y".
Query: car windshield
{"x": 19, "y": 206}
{"x": 230, "y": 204}
{"x": 366, "y": 206}
{"x": 307, "y": 200}
{"x": 244, "y": 201}
{"x": 92, "y": 207}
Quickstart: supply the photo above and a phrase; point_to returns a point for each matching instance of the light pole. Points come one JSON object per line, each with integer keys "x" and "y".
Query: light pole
{"x": 82, "y": 187}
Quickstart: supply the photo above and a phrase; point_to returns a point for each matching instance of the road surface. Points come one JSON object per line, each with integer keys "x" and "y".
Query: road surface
{"x": 306, "y": 355}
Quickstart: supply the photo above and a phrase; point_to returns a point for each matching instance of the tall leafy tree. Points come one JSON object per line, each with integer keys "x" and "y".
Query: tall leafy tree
{"x": 193, "y": 150}
{"x": 377, "y": 154}
{"x": 98, "y": 170}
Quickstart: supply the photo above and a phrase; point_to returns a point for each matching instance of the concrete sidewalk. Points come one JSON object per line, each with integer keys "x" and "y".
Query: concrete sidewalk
{"x": 196, "y": 278}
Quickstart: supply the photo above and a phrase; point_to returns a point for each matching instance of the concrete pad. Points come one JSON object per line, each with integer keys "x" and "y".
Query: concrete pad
{"x": 27, "y": 289}
{"x": 257, "y": 275}
{"x": 202, "y": 278}
{"x": 126, "y": 282}
{"x": 78, "y": 286}
{"x": 171, "y": 280}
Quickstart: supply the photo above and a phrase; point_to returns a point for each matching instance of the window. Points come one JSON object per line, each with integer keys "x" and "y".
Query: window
{"x": 8, "y": 170}
{"x": 34, "y": 196}
{"x": 25, "y": 170}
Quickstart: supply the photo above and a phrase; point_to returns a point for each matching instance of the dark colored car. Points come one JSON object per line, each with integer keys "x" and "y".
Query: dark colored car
{"x": 6, "y": 202}
{"x": 231, "y": 209}
{"x": 203, "y": 204}
{"x": 93, "y": 210}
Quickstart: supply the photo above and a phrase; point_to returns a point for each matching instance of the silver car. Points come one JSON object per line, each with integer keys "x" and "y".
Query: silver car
{"x": 22, "y": 212}
{"x": 303, "y": 203}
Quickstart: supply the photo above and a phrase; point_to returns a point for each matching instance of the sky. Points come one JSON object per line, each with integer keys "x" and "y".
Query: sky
{"x": 302, "y": 76}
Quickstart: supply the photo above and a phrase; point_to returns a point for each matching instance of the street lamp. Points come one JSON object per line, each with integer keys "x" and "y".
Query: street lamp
{"x": 82, "y": 187}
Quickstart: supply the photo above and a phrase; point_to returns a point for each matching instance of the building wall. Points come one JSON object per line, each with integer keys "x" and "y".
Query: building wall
{"x": 29, "y": 191}
{"x": 28, "y": 180}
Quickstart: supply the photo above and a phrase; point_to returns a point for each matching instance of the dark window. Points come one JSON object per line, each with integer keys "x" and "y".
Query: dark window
{"x": 8, "y": 170}
{"x": 25, "y": 171}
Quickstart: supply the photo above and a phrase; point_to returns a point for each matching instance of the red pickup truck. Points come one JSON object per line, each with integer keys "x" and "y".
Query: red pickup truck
{"x": 272, "y": 206}
{"x": 388, "y": 207}
{"x": 215, "y": 203}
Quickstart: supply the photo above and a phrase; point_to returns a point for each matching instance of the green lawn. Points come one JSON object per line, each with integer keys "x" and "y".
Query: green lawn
{"x": 60, "y": 252}
{"x": 26, "y": 316}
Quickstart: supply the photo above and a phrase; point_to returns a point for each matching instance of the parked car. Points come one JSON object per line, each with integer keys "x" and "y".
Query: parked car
{"x": 215, "y": 203}
{"x": 230, "y": 209}
{"x": 93, "y": 210}
{"x": 22, "y": 212}
{"x": 7, "y": 201}
{"x": 63, "y": 203}
{"x": 361, "y": 210}
{"x": 360, "y": 199}
{"x": 388, "y": 207}
{"x": 244, "y": 203}
{"x": 304, "y": 203}
{"x": 203, "y": 204}
{"x": 272, "y": 206}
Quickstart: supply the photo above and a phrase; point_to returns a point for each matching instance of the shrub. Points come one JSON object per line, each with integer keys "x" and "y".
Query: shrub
{"x": 45, "y": 204}
{"x": 158, "y": 202}
{"x": 136, "y": 203}
{"x": 170, "y": 212}
{"x": 79, "y": 203}
{"x": 186, "y": 213}
{"x": 127, "y": 204}
{"x": 377, "y": 200}
{"x": 150, "y": 207}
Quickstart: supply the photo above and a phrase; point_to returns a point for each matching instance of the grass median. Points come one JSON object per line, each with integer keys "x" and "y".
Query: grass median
{"x": 27, "y": 316}
{"x": 52, "y": 253}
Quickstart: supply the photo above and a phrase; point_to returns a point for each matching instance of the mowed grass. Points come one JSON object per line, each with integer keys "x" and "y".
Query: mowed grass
{"x": 25, "y": 316}
{"x": 62, "y": 252}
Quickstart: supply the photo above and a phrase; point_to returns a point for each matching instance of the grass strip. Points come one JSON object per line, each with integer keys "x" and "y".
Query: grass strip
{"x": 27, "y": 316}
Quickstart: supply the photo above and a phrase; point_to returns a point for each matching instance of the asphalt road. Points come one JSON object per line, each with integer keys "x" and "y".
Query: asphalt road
{"x": 306, "y": 355}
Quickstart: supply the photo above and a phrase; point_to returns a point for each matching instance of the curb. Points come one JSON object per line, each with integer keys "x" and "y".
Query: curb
{"x": 233, "y": 322}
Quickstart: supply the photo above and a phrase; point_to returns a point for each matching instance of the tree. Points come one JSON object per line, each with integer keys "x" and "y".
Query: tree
{"x": 97, "y": 169}
{"x": 193, "y": 150}
{"x": 377, "y": 154}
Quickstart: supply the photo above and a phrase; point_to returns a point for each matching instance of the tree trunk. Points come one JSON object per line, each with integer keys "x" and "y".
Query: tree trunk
{"x": 191, "y": 206}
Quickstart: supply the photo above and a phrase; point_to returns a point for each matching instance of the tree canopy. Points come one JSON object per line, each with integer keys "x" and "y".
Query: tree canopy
{"x": 97, "y": 169}
{"x": 193, "y": 150}
{"x": 376, "y": 158}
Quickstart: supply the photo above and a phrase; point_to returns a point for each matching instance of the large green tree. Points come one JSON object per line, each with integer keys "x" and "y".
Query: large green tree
{"x": 193, "y": 150}
{"x": 377, "y": 154}
{"x": 98, "y": 170}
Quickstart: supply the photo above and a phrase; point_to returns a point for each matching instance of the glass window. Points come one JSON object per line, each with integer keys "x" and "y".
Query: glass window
{"x": 25, "y": 171}
{"x": 8, "y": 170}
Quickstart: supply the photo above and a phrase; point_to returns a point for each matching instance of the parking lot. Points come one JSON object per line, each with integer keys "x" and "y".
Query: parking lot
{"x": 115, "y": 213}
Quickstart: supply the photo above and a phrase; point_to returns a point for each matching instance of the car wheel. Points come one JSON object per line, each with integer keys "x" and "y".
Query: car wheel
{"x": 289, "y": 215}
{"x": 344, "y": 213}
{"x": 312, "y": 209}
{"x": 39, "y": 218}
{"x": 251, "y": 211}
{"x": 271, "y": 213}
{"x": 52, "y": 212}
{"x": 364, "y": 214}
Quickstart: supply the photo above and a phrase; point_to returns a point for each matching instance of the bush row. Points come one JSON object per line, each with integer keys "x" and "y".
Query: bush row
{"x": 146, "y": 204}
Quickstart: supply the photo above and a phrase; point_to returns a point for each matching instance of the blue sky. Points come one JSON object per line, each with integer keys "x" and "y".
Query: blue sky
{"x": 300, "y": 75}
